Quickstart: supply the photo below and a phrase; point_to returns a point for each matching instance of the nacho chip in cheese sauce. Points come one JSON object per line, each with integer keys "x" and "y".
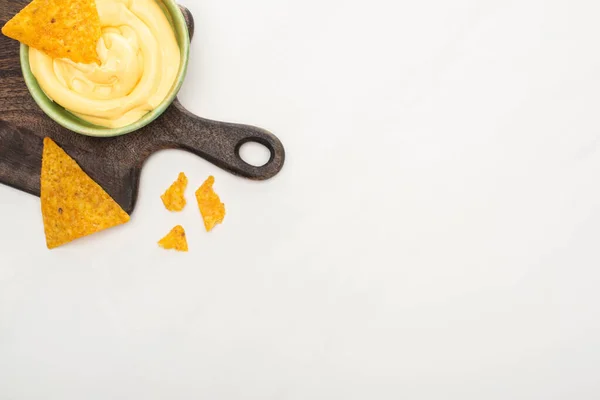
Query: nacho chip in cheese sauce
{"x": 139, "y": 63}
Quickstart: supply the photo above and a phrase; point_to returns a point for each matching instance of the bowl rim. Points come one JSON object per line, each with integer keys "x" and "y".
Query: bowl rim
{"x": 41, "y": 99}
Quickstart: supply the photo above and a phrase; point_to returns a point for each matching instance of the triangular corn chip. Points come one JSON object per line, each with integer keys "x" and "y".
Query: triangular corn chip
{"x": 173, "y": 198}
{"x": 73, "y": 205}
{"x": 59, "y": 28}
{"x": 211, "y": 208}
{"x": 175, "y": 240}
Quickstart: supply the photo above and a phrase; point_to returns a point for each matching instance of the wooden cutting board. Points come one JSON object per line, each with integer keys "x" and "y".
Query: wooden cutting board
{"x": 115, "y": 163}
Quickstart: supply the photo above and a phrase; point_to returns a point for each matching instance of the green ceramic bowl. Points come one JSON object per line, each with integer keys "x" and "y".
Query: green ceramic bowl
{"x": 76, "y": 124}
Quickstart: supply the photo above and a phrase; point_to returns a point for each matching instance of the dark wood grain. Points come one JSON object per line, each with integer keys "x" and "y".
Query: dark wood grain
{"x": 115, "y": 163}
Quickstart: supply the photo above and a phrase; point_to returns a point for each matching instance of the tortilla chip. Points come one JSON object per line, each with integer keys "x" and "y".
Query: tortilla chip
{"x": 59, "y": 28}
{"x": 175, "y": 240}
{"x": 73, "y": 205}
{"x": 173, "y": 198}
{"x": 211, "y": 208}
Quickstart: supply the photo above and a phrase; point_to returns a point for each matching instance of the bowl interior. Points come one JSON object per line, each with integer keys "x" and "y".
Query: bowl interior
{"x": 76, "y": 124}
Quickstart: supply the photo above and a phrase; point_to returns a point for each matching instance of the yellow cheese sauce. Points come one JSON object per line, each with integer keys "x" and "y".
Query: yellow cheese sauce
{"x": 139, "y": 63}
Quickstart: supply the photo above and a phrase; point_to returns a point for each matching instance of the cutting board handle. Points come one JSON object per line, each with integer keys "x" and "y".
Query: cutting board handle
{"x": 217, "y": 142}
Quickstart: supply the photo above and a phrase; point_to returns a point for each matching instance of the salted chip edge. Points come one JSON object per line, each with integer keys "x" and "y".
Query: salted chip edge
{"x": 174, "y": 197}
{"x": 60, "y": 28}
{"x": 175, "y": 240}
{"x": 73, "y": 205}
{"x": 210, "y": 205}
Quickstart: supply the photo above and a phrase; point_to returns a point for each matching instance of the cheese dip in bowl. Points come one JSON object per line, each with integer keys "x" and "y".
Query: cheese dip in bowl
{"x": 143, "y": 54}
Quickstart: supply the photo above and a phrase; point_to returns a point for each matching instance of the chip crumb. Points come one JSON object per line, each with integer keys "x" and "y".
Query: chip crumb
{"x": 175, "y": 240}
{"x": 60, "y": 28}
{"x": 174, "y": 197}
{"x": 73, "y": 205}
{"x": 209, "y": 203}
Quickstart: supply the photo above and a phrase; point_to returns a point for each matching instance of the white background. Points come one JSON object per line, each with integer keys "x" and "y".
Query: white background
{"x": 433, "y": 235}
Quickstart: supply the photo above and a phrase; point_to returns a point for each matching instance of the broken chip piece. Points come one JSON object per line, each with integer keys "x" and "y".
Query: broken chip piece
{"x": 175, "y": 240}
{"x": 173, "y": 198}
{"x": 59, "y": 28}
{"x": 211, "y": 208}
{"x": 73, "y": 205}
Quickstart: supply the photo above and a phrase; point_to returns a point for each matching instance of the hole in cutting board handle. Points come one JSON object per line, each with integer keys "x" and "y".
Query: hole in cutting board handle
{"x": 255, "y": 151}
